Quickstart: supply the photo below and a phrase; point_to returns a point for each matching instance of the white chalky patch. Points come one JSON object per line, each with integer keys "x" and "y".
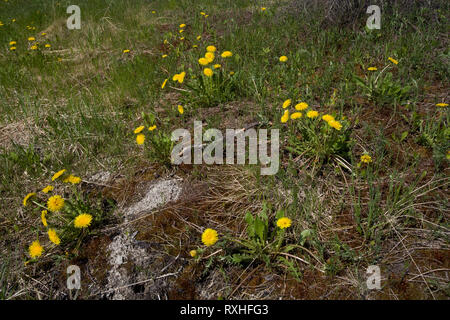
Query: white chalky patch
{"x": 101, "y": 177}
{"x": 157, "y": 195}
{"x": 123, "y": 249}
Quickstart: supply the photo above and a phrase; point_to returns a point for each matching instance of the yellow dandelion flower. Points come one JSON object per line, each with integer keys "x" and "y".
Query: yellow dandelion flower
{"x": 28, "y": 196}
{"x": 231, "y": 73}
{"x": 301, "y": 106}
{"x": 285, "y": 117}
{"x": 47, "y": 45}
{"x": 12, "y": 43}
{"x": 217, "y": 66}
{"x": 75, "y": 180}
{"x": 312, "y": 114}
{"x": 208, "y": 72}
{"x": 164, "y": 56}
{"x": 179, "y": 77}
{"x": 372, "y": 69}
{"x": 183, "y": 25}
{"x": 283, "y": 58}
{"x": 34, "y": 47}
{"x": 31, "y": 39}
{"x": 209, "y": 237}
{"x": 66, "y": 180}
{"x": 296, "y": 115}
{"x": 55, "y": 203}
{"x": 35, "y": 249}
{"x": 263, "y": 8}
{"x": 202, "y": 13}
{"x": 82, "y": 221}
{"x": 13, "y": 48}
{"x": 195, "y": 46}
{"x": 226, "y": 54}
{"x": 139, "y": 129}
{"x": 199, "y": 37}
{"x": 335, "y": 124}
{"x": 53, "y": 236}
{"x": 126, "y": 51}
{"x": 211, "y": 49}
{"x": 203, "y": 61}
{"x": 58, "y": 174}
{"x": 180, "y": 109}
{"x": 393, "y": 60}
{"x": 152, "y": 128}
{"x": 442, "y": 104}
{"x": 287, "y": 103}
{"x": 182, "y": 38}
{"x": 284, "y": 223}
{"x": 140, "y": 139}
{"x": 365, "y": 158}
{"x": 327, "y": 117}
{"x": 43, "y": 34}
{"x": 164, "y": 84}
{"x": 43, "y": 218}
{"x": 209, "y": 56}
{"x": 193, "y": 253}
{"x": 47, "y": 189}
{"x": 72, "y": 179}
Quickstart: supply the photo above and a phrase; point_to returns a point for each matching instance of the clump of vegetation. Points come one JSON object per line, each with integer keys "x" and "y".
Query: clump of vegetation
{"x": 311, "y": 134}
{"x": 66, "y": 220}
{"x": 381, "y": 88}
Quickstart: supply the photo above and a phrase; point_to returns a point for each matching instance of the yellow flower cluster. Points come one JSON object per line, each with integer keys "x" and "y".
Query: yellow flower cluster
{"x": 33, "y": 42}
{"x": 311, "y": 114}
{"x": 67, "y": 179}
{"x": 209, "y": 58}
{"x": 140, "y": 137}
{"x": 55, "y": 203}
{"x": 365, "y": 158}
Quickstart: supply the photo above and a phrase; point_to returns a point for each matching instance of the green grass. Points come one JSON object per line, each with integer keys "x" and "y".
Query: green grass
{"x": 75, "y": 106}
